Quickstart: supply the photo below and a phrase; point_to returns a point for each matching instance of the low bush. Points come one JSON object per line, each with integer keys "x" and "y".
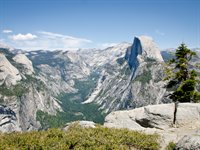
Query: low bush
{"x": 171, "y": 146}
{"x": 99, "y": 138}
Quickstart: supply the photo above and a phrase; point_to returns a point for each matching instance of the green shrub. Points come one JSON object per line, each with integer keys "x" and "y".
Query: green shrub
{"x": 39, "y": 85}
{"x": 150, "y": 60}
{"x": 99, "y": 138}
{"x": 121, "y": 61}
{"x": 22, "y": 87}
{"x": 17, "y": 90}
{"x": 145, "y": 77}
{"x": 170, "y": 146}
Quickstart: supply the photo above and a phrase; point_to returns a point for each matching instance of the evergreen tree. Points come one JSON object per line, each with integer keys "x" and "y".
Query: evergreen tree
{"x": 182, "y": 78}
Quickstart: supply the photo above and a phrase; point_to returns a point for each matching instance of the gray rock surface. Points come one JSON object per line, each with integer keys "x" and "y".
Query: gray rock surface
{"x": 188, "y": 114}
{"x": 152, "y": 116}
{"x": 189, "y": 142}
{"x": 82, "y": 124}
{"x": 22, "y": 116}
{"x": 8, "y": 120}
{"x": 124, "y": 119}
{"x": 27, "y": 64}
{"x": 155, "y": 116}
{"x": 159, "y": 119}
{"x": 9, "y": 75}
{"x": 30, "y": 103}
{"x": 149, "y": 48}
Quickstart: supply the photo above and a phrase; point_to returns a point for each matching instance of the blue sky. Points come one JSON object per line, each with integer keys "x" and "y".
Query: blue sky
{"x": 71, "y": 24}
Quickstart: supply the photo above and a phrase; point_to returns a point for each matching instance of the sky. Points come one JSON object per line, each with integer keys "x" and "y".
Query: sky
{"x": 72, "y": 24}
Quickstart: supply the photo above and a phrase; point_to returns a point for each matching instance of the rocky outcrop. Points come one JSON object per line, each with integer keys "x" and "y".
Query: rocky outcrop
{"x": 82, "y": 124}
{"x": 156, "y": 116}
{"x": 27, "y": 64}
{"x": 8, "y": 120}
{"x": 189, "y": 142}
{"x": 159, "y": 119}
{"x": 9, "y": 75}
{"x": 143, "y": 47}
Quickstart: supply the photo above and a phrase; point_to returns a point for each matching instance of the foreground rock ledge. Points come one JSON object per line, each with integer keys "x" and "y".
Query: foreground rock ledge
{"x": 159, "y": 119}
{"x": 191, "y": 142}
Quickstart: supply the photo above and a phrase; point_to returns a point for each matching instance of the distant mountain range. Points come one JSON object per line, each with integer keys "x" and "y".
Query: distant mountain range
{"x": 42, "y": 89}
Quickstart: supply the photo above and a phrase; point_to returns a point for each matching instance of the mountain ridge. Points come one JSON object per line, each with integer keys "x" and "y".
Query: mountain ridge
{"x": 75, "y": 85}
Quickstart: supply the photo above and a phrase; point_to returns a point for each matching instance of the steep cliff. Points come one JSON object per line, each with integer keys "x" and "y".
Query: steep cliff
{"x": 9, "y": 75}
{"x": 25, "y": 62}
{"x": 22, "y": 94}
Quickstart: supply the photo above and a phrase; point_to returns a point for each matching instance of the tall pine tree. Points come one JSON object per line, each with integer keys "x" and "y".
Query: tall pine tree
{"x": 182, "y": 78}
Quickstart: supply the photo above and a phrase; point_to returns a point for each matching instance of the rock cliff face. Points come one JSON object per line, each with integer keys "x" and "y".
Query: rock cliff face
{"x": 131, "y": 80}
{"x": 30, "y": 103}
{"x": 23, "y": 110}
{"x": 143, "y": 47}
{"x": 27, "y": 64}
{"x": 59, "y": 70}
{"x": 159, "y": 119}
{"x": 9, "y": 75}
{"x": 22, "y": 94}
{"x": 8, "y": 120}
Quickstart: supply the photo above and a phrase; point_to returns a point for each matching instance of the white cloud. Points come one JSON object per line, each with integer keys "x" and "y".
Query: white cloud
{"x": 64, "y": 37}
{"x": 7, "y": 31}
{"x": 160, "y": 33}
{"x": 105, "y": 45}
{"x": 48, "y": 41}
{"x": 23, "y": 37}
